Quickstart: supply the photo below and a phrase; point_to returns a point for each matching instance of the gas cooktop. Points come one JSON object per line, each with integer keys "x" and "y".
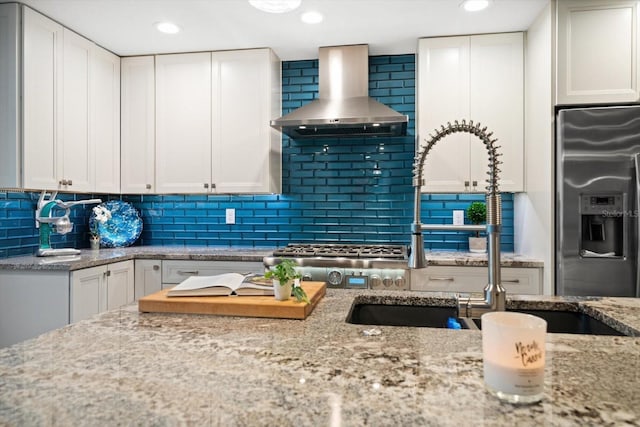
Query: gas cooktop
{"x": 330, "y": 250}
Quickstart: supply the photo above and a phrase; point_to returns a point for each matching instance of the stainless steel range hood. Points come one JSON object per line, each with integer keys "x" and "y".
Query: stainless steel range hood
{"x": 344, "y": 108}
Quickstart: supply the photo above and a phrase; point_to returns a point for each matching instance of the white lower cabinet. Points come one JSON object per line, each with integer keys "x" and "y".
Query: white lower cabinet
{"x": 148, "y": 277}
{"x": 97, "y": 289}
{"x": 517, "y": 281}
{"x": 32, "y": 302}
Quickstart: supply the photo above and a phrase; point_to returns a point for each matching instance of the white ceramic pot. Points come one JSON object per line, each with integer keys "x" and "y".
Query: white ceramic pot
{"x": 282, "y": 292}
{"x": 478, "y": 244}
{"x": 94, "y": 241}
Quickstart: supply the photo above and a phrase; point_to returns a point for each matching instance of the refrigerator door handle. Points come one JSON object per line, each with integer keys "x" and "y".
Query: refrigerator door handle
{"x": 636, "y": 214}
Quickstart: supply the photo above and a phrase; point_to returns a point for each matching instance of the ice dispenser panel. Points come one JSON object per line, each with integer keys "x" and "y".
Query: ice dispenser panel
{"x": 602, "y": 222}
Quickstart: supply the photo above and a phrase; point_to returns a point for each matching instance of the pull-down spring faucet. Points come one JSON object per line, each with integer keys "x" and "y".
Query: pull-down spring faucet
{"x": 494, "y": 293}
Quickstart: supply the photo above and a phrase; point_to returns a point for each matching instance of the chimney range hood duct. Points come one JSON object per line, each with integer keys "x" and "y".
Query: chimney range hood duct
{"x": 344, "y": 108}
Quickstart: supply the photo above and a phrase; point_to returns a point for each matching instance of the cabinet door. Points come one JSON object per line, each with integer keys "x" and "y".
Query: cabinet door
{"x": 88, "y": 292}
{"x": 597, "y": 52}
{"x": 120, "y": 284}
{"x": 77, "y": 153}
{"x": 138, "y": 125}
{"x": 42, "y": 82}
{"x": 443, "y": 67}
{"x": 477, "y": 78}
{"x": 242, "y": 91}
{"x": 148, "y": 277}
{"x": 183, "y": 123}
{"x": 496, "y": 99}
{"x": 105, "y": 119}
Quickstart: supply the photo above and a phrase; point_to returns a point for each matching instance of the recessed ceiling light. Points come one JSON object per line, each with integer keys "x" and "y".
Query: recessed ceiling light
{"x": 167, "y": 27}
{"x": 474, "y": 5}
{"x": 275, "y": 6}
{"x": 311, "y": 17}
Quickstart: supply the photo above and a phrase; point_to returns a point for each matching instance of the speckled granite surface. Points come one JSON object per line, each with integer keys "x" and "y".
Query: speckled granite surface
{"x": 90, "y": 258}
{"x": 126, "y": 368}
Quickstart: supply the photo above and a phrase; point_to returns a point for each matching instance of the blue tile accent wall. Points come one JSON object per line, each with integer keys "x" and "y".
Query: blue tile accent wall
{"x": 341, "y": 190}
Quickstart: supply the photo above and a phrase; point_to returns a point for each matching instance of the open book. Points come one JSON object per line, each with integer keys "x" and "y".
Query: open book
{"x": 223, "y": 285}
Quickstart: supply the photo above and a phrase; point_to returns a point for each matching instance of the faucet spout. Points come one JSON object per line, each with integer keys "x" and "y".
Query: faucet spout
{"x": 494, "y": 294}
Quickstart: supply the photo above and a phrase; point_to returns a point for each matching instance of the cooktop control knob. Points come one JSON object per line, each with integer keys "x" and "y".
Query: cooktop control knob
{"x": 400, "y": 282}
{"x": 334, "y": 278}
{"x": 387, "y": 281}
{"x": 375, "y": 281}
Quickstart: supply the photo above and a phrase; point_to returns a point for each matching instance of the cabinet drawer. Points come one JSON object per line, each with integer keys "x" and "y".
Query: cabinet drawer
{"x": 519, "y": 281}
{"x": 174, "y": 272}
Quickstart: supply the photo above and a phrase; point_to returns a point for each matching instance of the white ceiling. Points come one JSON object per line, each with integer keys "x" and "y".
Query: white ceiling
{"x": 388, "y": 26}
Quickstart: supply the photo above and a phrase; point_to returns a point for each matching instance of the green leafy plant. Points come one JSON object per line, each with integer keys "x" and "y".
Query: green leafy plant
{"x": 477, "y": 214}
{"x": 284, "y": 272}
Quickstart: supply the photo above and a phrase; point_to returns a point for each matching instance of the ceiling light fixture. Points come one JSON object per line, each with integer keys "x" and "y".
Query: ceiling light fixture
{"x": 275, "y": 6}
{"x": 474, "y": 5}
{"x": 311, "y": 17}
{"x": 167, "y": 27}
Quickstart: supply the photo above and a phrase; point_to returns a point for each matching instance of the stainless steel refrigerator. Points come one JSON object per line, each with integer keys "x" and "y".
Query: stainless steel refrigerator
{"x": 597, "y": 203}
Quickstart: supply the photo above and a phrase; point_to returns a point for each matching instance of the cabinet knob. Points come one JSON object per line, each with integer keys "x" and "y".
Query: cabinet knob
{"x": 148, "y": 186}
{"x": 156, "y": 267}
{"x": 206, "y": 185}
{"x": 475, "y": 184}
{"x": 70, "y": 182}
{"x": 213, "y": 186}
{"x": 62, "y": 182}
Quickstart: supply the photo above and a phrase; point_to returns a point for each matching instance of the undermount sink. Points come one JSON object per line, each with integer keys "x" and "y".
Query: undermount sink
{"x": 561, "y": 322}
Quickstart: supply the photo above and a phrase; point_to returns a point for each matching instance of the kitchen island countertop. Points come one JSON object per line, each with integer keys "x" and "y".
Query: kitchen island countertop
{"x": 89, "y": 258}
{"x": 128, "y": 368}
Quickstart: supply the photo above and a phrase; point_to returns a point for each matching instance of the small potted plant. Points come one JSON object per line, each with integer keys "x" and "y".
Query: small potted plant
{"x": 285, "y": 281}
{"x": 477, "y": 214}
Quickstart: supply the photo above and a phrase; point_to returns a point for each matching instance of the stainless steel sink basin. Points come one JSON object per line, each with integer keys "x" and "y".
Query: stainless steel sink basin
{"x": 563, "y": 322}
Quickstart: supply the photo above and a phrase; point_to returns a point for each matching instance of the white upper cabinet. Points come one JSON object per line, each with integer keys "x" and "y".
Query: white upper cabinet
{"x": 42, "y": 100}
{"x": 138, "y": 132}
{"x": 597, "y": 52}
{"x": 477, "y": 78}
{"x": 70, "y": 111}
{"x": 183, "y": 123}
{"x": 105, "y": 120}
{"x": 212, "y": 122}
{"x": 76, "y": 159}
{"x": 245, "y": 149}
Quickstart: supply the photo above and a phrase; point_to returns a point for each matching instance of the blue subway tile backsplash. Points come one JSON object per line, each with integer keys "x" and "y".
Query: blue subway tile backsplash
{"x": 345, "y": 190}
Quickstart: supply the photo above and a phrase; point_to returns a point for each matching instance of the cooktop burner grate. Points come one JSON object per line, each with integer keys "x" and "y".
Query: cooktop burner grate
{"x": 342, "y": 250}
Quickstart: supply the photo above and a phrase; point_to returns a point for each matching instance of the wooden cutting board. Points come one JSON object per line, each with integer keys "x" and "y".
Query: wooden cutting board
{"x": 249, "y": 306}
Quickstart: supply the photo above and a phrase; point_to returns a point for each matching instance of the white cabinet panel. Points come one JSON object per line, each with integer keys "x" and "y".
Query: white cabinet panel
{"x": 183, "y": 123}
{"x": 597, "y": 51}
{"x": 138, "y": 125}
{"x": 477, "y": 78}
{"x": 32, "y": 302}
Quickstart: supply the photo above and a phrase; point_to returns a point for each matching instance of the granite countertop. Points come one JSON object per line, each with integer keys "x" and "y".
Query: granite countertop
{"x": 128, "y": 368}
{"x": 89, "y": 258}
